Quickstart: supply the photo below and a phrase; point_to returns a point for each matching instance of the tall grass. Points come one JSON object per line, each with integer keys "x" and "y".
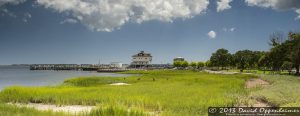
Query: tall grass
{"x": 116, "y": 111}
{"x": 163, "y": 92}
{"x": 11, "y": 110}
{"x": 283, "y": 91}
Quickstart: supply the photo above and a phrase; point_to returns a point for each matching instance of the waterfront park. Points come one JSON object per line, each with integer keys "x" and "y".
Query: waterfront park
{"x": 243, "y": 79}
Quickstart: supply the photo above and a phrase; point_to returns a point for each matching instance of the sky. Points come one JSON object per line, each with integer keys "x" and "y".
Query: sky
{"x": 89, "y": 31}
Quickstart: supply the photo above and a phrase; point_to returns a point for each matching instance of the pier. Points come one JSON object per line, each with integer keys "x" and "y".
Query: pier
{"x": 98, "y": 67}
{"x": 55, "y": 67}
{"x": 112, "y": 70}
{"x": 81, "y": 67}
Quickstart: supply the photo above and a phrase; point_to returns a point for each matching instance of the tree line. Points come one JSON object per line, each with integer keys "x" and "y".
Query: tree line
{"x": 283, "y": 55}
{"x": 185, "y": 64}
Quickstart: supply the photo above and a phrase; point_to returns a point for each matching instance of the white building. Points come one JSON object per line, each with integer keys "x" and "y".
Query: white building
{"x": 141, "y": 59}
{"x": 116, "y": 65}
{"x": 178, "y": 59}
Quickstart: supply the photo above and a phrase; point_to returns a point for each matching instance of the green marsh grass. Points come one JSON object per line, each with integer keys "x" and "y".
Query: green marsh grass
{"x": 11, "y": 110}
{"x": 116, "y": 111}
{"x": 283, "y": 91}
{"x": 164, "y": 92}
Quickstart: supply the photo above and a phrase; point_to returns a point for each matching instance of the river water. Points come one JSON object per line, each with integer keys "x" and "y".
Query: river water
{"x": 21, "y": 75}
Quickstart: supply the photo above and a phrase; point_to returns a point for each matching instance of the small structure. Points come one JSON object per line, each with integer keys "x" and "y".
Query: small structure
{"x": 160, "y": 66}
{"x": 141, "y": 60}
{"x": 178, "y": 59}
{"x": 116, "y": 65}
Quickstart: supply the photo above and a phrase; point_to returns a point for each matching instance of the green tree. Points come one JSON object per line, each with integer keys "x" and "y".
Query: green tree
{"x": 200, "y": 65}
{"x": 254, "y": 61}
{"x": 277, "y": 56}
{"x": 287, "y": 66}
{"x": 220, "y": 58}
{"x": 242, "y": 59}
{"x": 293, "y": 46}
{"x": 208, "y": 63}
{"x": 184, "y": 64}
{"x": 276, "y": 38}
{"x": 193, "y": 64}
{"x": 264, "y": 62}
{"x": 278, "y": 52}
{"x": 285, "y": 53}
{"x": 177, "y": 64}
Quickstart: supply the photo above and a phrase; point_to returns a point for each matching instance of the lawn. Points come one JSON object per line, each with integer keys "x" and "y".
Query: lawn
{"x": 152, "y": 92}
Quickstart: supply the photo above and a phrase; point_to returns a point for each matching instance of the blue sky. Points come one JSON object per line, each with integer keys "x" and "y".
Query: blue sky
{"x": 47, "y": 32}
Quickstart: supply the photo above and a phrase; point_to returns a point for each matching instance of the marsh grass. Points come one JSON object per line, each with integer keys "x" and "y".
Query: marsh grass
{"x": 284, "y": 90}
{"x": 11, "y": 110}
{"x": 117, "y": 111}
{"x": 167, "y": 92}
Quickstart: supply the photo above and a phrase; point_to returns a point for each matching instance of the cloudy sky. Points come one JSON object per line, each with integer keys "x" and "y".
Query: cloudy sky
{"x": 84, "y": 31}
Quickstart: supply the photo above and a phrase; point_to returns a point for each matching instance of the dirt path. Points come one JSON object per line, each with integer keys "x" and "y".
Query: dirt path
{"x": 257, "y": 82}
{"x": 119, "y": 84}
{"x": 72, "y": 109}
{"x": 252, "y": 83}
{"x": 220, "y": 72}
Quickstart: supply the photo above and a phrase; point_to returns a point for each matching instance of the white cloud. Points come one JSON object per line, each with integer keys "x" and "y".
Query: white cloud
{"x": 277, "y": 4}
{"x": 69, "y": 20}
{"x": 229, "y": 29}
{"x": 107, "y": 15}
{"x": 298, "y": 17}
{"x": 26, "y": 17}
{"x": 232, "y": 29}
{"x": 12, "y": 2}
{"x": 223, "y": 5}
{"x": 6, "y": 12}
{"x": 212, "y": 34}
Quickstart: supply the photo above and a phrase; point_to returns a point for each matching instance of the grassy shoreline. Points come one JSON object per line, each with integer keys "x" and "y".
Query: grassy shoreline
{"x": 155, "y": 92}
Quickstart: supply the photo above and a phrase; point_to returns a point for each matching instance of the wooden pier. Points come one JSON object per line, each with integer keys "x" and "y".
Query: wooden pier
{"x": 83, "y": 67}
{"x": 98, "y": 68}
{"x": 55, "y": 67}
{"x": 112, "y": 70}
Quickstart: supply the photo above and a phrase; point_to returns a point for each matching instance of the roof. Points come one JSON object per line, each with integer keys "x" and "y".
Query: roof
{"x": 179, "y": 58}
{"x": 142, "y": 54}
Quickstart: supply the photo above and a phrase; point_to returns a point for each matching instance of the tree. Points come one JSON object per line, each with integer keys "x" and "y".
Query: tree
{"x": 293, "y": 45}
{"x": 208, "y": 63}
{"x": 184, "y": 64}
{"x": 264, "y": 62}
{"x": 177, "y": 64}
{"x": 193, "y": 64}
{"x": 276, "y": 39}
{"x": 277, "y": 56}
{"x": 200, "y": 65}
{"x": 242, "y": 59}
{"x": 285, "y": 53}
{"x": 287, "y": 66}
{"x": 231, "y": 61}
{"x": 220, "y": 58}
{"x": 254, "y": 60}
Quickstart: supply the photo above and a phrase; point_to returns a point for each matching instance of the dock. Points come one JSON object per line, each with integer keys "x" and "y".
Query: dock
{"x": 98, "y": 67}
{"x": 112, "y": 70}
{"x": 82, "y": 67}
{"x": 55, "y": 67}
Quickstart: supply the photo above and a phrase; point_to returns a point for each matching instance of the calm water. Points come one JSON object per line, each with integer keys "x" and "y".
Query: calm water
{"x": 20, "y": 75}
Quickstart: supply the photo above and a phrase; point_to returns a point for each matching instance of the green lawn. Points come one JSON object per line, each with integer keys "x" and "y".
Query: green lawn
{"x": 158, "y": 92}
